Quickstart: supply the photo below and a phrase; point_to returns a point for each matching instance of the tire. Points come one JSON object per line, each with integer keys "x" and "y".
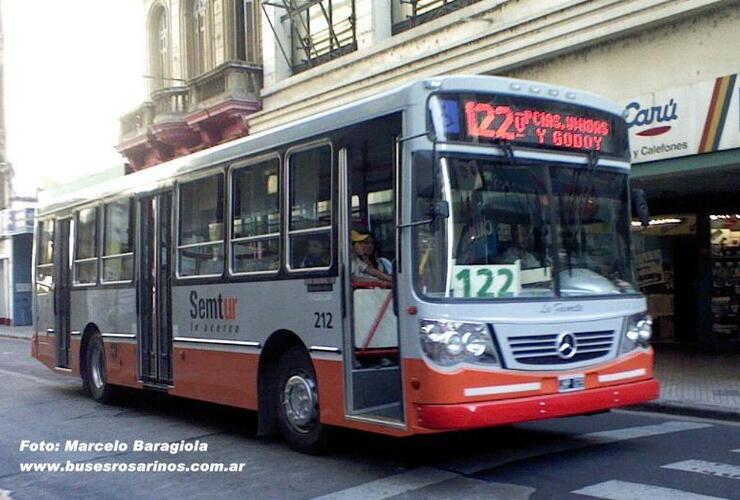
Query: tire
{"x": 96, "y": 375}
{"x": 298, "y": 404}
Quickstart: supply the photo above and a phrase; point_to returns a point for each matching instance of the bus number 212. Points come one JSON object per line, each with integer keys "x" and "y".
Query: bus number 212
{"x": 323, "y": 320}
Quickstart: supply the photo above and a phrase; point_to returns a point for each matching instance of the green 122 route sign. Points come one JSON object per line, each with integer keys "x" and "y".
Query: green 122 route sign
{"x": 486, "y": 281}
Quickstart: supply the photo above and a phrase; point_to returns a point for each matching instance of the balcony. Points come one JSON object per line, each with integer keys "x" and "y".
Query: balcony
{"x": 206, "y": 110}
{"x": 231, "y": 80}
{"x": 170, "y": 102}
{"x": 408, "y": 14}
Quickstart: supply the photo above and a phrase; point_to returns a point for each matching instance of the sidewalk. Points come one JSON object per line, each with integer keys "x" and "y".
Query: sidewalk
{"x": 692, "y": 383}
{"x": 17, "y": 332}
{"x": 697, "y": 384}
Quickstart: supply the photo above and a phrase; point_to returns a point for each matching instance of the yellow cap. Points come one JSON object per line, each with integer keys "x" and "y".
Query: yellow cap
{"x": 358, "y": 236}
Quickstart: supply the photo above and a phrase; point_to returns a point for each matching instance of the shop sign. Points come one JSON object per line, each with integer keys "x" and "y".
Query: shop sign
{"x": 683, "y": 121}
{"x": 649, "y": 268}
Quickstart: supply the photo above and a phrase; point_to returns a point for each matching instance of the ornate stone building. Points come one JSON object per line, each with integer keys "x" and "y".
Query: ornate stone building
{"x": 204, "y": 72}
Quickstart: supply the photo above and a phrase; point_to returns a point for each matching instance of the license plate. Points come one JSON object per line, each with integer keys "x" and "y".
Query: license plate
{"x": 572, "y": 383}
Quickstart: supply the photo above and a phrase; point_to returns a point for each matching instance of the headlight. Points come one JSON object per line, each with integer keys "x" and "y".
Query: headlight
{"x": 449, "y": 343}
{"x": 637, "y": 332}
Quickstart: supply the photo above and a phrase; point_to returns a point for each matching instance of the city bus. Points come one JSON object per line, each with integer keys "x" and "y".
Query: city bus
{"x": 240, "y": 274}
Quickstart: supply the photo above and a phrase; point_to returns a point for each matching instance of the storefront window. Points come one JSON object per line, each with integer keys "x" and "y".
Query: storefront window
{"x": 725, "y": 247}
{"x": 665, "y": 268}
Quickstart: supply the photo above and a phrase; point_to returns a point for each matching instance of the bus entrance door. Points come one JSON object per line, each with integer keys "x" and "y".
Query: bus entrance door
{"x": 372, "y": 355}
{"x": 61, "y": 292}
{"x": 155, "y": 288}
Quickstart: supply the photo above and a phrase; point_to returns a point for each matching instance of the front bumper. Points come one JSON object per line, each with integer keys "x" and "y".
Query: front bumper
{"x": 510, "y": 411}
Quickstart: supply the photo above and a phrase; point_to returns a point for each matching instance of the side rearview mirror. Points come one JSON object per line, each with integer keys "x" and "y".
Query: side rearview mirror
{"x": 439, "y": 209}
{"x": 641, "y": 206}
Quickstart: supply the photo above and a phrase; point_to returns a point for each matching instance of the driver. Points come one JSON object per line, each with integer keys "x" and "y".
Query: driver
{"x": 520, "y": 250}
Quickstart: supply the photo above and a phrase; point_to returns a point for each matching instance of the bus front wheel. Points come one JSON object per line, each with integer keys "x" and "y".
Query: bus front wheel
{"x": 96, "y": 378}
{"x": 298, "y": 403}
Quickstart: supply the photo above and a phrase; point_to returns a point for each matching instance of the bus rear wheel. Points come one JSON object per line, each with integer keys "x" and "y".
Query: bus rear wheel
{"x": 298, "y": 403}
{"x": 96, "y": 378}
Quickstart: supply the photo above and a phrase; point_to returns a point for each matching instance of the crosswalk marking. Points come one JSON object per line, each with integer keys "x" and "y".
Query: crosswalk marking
{"x": 706, "y": 468}
{"x": 496, "y": 458}
{"x": 393, "y": 485}
{"x": 624, "y": 490}
{"x": 425, "y": 476}
{"x": 736, "y": 451}
{"x": 643, "y": 431}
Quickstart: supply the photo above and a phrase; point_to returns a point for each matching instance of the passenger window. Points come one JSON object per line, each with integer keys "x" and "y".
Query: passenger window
{"x": 45, "y": 260}
{"x": 309, "y": 233}
{"x": 86, "y": 247}
{"x": 201, "y": 234}
{"x": 118, "y": 245}
{"x": 255, "y": 223}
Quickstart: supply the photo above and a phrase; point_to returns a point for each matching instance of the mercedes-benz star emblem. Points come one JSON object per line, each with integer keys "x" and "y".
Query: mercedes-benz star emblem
{"x": 567, "y": 345}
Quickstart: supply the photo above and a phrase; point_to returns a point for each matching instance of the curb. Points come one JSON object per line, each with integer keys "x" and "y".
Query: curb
{"x": 690, "y": 409}
{"x": 15, "y": 337}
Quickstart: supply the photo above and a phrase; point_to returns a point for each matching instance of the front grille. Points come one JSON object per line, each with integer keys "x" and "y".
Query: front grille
{"x": 543, "y": 350}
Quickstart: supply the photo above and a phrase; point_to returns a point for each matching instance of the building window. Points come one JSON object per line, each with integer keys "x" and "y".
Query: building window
{"x": 255, "y": 222}
{"x": 118, "y": 244}
{"x": 247, "y": 31}
{"x": 309, "y": 232}
{"x": 409, "y": 13}
{"x": 159, "y": 47}
{"x": 201, "y": 230}
{"x": 198, "y": 22}
{"x": 320, "y": 31}
{"x": 86, "y": 247}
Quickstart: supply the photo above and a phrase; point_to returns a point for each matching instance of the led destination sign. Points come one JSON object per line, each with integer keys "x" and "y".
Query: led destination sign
{"x": 528, "y": 122}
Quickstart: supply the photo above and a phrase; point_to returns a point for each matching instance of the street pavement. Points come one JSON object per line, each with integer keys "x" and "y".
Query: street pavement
{"x": 618, "y": 455}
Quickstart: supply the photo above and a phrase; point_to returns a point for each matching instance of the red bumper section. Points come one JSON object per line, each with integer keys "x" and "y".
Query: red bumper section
{"x": 491, "y": 413}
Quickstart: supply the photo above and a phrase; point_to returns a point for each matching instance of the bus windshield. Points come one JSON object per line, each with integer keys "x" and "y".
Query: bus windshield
{"x": 522, "y": 230}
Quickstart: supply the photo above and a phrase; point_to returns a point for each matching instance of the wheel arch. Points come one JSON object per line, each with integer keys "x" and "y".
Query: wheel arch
{"x": 275, "y": 346}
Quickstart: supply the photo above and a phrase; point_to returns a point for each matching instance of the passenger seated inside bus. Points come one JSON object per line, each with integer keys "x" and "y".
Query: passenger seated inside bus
{"x": 317, "y": 255}
{"x": 367, "y": 267}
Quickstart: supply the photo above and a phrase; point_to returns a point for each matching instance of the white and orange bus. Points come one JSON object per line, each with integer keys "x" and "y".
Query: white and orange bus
{"x": 242, "y": 275}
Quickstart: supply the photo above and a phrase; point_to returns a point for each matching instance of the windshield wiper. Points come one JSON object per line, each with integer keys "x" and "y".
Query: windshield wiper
{"x": 577, "y": 205}
{"x": 507, "y": 149}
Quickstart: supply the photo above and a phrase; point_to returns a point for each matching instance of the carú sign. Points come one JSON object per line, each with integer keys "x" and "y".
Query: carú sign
{"x": 699, "y": 118}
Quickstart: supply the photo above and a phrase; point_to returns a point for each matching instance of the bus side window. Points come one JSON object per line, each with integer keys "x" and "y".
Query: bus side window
{"x": 309, "y": 231}
{"x": 255, "y": 219}
{"x": 45, "y": 259}
{"x": 86, "y": 247}
{"x": 201, "y": 217}
{"x": 118, "y": 244}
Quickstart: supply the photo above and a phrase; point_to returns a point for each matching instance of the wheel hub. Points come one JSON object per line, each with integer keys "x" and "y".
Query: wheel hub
{"x": 97, "y": 368}
{"x": 299, "y": 402}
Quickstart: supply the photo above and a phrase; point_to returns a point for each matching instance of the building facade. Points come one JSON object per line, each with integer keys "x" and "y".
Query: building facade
{"x": 204, "y": 74}
{"x": 16, "y": 234}
{"x": 672, "y": 63}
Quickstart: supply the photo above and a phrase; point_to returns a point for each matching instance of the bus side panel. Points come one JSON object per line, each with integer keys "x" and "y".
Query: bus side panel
{"x": 45, "y": 349}
{"x": 44, "y": 321}
{"x": 122, "y": 362}
{"x": 112, "y": 310}
{"x": 218, "y": 376}
{"x": 74, "y": 354}
{"x": 330, "y": 378}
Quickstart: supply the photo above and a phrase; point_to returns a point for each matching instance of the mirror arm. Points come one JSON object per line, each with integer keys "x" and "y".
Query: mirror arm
{"x": 414, "y": 224}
